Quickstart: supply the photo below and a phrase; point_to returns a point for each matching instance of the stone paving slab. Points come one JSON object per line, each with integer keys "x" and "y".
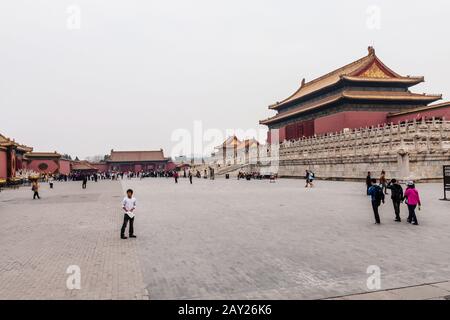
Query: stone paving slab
{"x": 420, "y": 293}
{"x": 229, "y": 239}
{"x": 68, "y": 226}
{"x": 443, "y": 285}
{"x": 435, "y": 291}
{"x": 222, "y": 239}
{"x": 379, "y": 295}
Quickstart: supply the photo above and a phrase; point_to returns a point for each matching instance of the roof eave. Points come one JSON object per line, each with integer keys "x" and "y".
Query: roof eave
{"x": 407, "y": 80}
{"x": 430, "y": 98}
{"x": 427, "y": 98}
{"x": 412, "y": 81}
{"x": 426, "y": 108}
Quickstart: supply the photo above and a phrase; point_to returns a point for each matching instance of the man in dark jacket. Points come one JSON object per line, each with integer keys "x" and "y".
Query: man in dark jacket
{"x": 84, "y": 182}
{"x": 396, "y": 196}
{"x": 377, "y": 196}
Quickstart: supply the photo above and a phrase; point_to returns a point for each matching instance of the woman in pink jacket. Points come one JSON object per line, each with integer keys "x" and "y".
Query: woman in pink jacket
{"x": 412, "y": 200}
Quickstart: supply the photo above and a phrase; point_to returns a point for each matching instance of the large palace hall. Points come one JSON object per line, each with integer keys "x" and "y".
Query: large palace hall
{"x": 361, "y": 94}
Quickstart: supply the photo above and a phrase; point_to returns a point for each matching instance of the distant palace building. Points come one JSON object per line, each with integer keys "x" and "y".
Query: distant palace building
{"x": 361, "y": 94}
{"x": 12, "y": 157}
{"x": 235, "y": 152}
{"x": 137, "y": 161}
{"x": 18, "y": 162}
{"x": 361, "y": 117}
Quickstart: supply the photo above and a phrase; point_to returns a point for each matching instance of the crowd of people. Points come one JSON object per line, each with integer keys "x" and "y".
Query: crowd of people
{"x": 249, "y": 175}
{"x": 377, "y": 190}
{"x": 26, "y": 173}
{"x": 36, "y": 178}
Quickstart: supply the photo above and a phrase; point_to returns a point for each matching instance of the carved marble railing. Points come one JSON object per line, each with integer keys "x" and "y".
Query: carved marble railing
{"x": 410, "y": 137}
{"x": 415, "y": 149}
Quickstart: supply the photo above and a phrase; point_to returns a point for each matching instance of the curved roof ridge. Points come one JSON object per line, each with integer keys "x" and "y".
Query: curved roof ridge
{"x": 363, "y": 62}
{"x": 370, "y": 55}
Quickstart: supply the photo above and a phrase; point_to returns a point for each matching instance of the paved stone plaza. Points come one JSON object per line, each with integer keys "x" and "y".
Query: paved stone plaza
{"x": 222, "y": 239}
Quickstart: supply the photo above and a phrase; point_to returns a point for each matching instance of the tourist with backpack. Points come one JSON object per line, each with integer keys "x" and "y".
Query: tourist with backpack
{"x": 312, "y": 176}
{"x": 309, "y": 177}
{"x": 396, "y": 196}
{"x": 377, "y": 197}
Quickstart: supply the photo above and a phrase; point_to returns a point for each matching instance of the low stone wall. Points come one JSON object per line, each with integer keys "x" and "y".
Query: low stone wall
{"x": 408, "y": 151}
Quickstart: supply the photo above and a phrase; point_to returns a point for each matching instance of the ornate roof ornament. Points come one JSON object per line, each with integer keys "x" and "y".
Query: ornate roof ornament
{"x": 371, "y": 51}
{"x": 303, "y": 82}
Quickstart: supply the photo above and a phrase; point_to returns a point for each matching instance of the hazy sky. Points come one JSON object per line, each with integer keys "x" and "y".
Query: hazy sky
{"x": 135, "y": 71}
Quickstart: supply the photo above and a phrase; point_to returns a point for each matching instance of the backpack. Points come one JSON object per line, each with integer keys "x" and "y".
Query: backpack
{"x": 378, "y": 194}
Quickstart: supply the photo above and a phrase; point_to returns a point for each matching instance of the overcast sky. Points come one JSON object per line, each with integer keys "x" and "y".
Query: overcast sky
{"x": 126, "y": 74}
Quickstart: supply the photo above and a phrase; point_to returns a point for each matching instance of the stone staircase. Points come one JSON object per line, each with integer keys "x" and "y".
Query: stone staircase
{"x": 232, "y": 169}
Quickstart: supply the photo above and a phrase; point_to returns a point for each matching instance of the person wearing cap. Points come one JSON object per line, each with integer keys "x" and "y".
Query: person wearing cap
{"x": 396, "y": 196}
{"x": 412, "y": 200}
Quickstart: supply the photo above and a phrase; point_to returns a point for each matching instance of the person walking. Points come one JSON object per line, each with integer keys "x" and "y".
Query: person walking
{"x": 83, "y": 186}
{"x": 190, "y": 177}
{"x": 35, "y": 189}
{"x": 377, "y": 197}
{"x": 383, "y": 181}
{"x": 368, "y": 182}
{"x": 307, "y": 177}
{"x": 311, "y": 178}
{"x": 128, "y": 206}
{"x": 396, "y": 196}
{"x": 412, "y": 201}
{"x": 175, "y": 175}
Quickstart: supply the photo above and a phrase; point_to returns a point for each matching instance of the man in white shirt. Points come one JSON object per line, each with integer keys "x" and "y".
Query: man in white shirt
{"x": 128, "y": 205}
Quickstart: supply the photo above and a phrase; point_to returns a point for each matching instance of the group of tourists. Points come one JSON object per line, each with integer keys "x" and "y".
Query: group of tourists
{"x": 190, "y": 175}
{"x": 377, "y": 192}
{"x": 249, "y": 175}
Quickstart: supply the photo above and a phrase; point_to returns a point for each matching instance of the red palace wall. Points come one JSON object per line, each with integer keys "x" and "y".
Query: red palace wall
{"x": 34, "y": 164}
{"x": 101, "y": 167}
{"x": 64, "y": 166}
{"x": 136, "y": 167}
{"x": 170, "y": 166}
{"x": 20, "y": 163}
{"x": 437, "y": 113}
{"x": 3, "y": 170}
{"x": 349, "y": 119}
{"x": 300, "y": 129}
{"x": 332, "y": 123}
{"x": 282, "y": 134}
